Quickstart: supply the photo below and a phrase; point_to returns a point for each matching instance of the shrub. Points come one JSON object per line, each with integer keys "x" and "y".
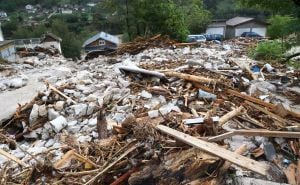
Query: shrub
{"x": 267, "y": 50}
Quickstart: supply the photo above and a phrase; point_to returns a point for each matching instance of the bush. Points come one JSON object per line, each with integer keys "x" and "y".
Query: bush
{"x": 268, "y": 50}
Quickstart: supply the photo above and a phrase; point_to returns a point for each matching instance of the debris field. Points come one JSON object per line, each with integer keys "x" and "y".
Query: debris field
{"x": 159, "y": 112}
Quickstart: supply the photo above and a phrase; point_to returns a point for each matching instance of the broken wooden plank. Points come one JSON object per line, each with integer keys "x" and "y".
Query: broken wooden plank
{"x": 235, "y": 112}
{"x": 216, "y": 150}
{"x": 272, "y": 115}
{"x": 101, "y": 125}
{"x": 252, "y": 99}
{"x": 59, "y": 92}
{"x": 262, "y": 133}
{"x": 223, "y": 169}
{"x": 192, "y": 78}
{"x": 111, "y": 165}
{"x": 11, "y": 157}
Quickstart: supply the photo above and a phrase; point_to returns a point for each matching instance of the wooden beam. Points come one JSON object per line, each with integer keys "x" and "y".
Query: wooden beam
{"x": 263, "y": 133}
{"x": 252, "y": 99}
{"x": 191, "y": 78}
{"x": 11, "y": 157}
{"x": 216, "y": 150}
{"x": 59, "y": 92}
{"x": 272, "y": 115}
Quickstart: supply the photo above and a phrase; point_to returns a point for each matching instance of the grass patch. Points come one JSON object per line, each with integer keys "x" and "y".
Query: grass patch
{"x": 295, "y": 64}
{"x": 267, "y": 50}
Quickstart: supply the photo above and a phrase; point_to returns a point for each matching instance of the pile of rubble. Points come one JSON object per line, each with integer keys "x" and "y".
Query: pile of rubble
{"x": 191, "y": 115}
{"x": 38, "y": 51}
{"x": 16, "y": 75}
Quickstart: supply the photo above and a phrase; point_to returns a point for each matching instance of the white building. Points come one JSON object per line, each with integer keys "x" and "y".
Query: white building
{"x": 7, "y": 50}
{"x": 50, "y": 40}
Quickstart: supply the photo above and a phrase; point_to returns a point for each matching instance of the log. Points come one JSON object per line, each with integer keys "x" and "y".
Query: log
{"x": 191, "y": 78}
{"x": 279, "y": 109}
{"x": 272, "y": 115}
{"x": 59, "y": 92}
{"x": 251, "y": 99}
{"x": 235, "y": 112}
{"x": 262, "y": 133}
{"x": 141, "y": 71}
{"x": 216, "y": 150}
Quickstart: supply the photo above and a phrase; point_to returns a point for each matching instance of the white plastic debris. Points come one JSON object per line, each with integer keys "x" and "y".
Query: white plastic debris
{"x": 153, "y": 113}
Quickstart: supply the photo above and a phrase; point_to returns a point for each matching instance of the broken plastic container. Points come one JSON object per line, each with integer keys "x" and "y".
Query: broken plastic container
{"x": 206, "y": 95}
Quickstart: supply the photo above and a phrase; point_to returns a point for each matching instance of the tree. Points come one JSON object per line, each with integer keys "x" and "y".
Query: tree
{"x": 71, "y": 45}
{"x": 196, "y": 17}
{"x": 279, "y": 26}
{"x": 146, "y": 18}
{"x": 276, "y": 6}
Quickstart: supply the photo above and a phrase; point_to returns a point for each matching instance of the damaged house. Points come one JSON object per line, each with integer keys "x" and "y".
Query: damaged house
{"x": 236, "y": 26}
{"x": 7, "y": 50}
{"x": 101, "y": 42}
{"x": 49, "y": 40}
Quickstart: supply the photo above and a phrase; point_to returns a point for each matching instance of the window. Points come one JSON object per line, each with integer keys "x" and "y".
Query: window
{"x": 101, "y": 42}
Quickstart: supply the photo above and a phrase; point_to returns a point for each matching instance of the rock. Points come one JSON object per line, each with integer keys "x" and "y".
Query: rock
{"x": 59, "y": 106}
{"x": 91, "y": 98}
{"x": 59, "y": 123}
{"x": 92, "y": 122}
{"x": 73, "y": 127}
{"x": 153, "y": 113}
{"x": 83, "y": 75}
{"x": 3, "y": 87}
{"x": 49, "y": 143}
{"x": 17, "y": 83}
{"x": 44, "y": 98}
{"x": 118, "y": 117}
{"x": 31, "y": 135}
{"x": 80, "y": 109}
{"x": 34, "y": 114}
{"x": 43, "y": 110}
{"x": 52, "y": 114}
{"x": 84, "y": 139}
{"x": 146, "y": 94}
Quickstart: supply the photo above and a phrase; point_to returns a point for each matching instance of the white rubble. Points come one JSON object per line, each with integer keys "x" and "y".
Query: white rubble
{"x": 58, "y": 123}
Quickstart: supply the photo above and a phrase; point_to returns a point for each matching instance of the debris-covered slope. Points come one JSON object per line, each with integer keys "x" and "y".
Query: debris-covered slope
{"x": 181, "y": 114}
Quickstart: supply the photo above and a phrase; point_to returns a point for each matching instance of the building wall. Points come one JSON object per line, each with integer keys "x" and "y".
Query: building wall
{"x": 230, "y": 32}
{"x": 216, "y": 30}
{"x": 8, "y": 52}
{"x": 95, "y": 46}
{"x": 252, "y": 26}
